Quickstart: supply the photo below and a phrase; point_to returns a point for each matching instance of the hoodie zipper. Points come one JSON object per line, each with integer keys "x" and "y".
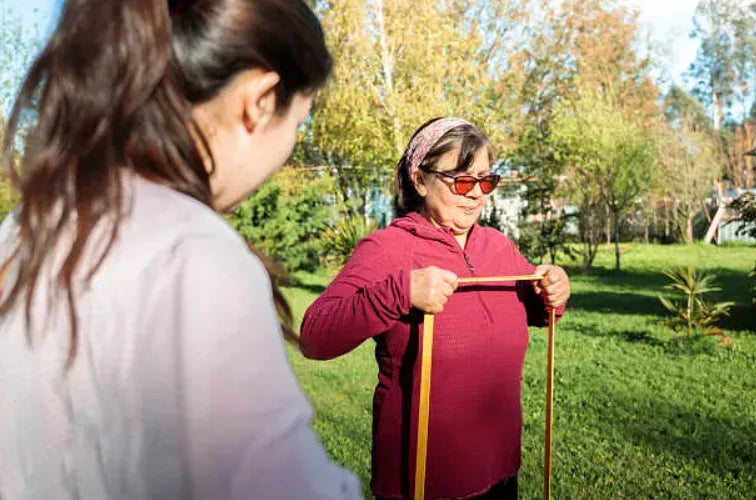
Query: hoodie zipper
{"x": 471, "y": 268}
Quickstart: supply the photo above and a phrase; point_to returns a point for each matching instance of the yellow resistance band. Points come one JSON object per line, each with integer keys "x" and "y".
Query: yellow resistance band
{"x": 425, "y": 380}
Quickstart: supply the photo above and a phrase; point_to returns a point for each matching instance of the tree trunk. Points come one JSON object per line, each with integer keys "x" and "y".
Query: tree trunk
{"x": 666, "y": 220}
{"x": 615, "y": 217}
{"x": 717, "y": 105}
{"x": 608, "y": 232}
{"x": 689, "y": 227}
{"x": 387, "y": 63}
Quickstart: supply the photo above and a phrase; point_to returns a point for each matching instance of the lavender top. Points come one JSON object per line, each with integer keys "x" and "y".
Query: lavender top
{"x": 181, "y": 387}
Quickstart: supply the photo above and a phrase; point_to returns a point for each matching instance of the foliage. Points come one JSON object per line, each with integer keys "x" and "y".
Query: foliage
{"x": 692, "y": 313}
{"x": 752, "y": 275}
{"x": 610, "y": 162}
{"x": 722, "y": 77}
{"x": 339, "y": 241}
{"x": 636, "y": 416}
{"x": 397, "y": 65}
{"x": 745, "y": 206}
{"x": 19, "y": 46}
{"x": 690, "y": 157}
{"x": 8, "y": 195}
{"x": 546, "y": 238}
{"x": 286, "y": 217}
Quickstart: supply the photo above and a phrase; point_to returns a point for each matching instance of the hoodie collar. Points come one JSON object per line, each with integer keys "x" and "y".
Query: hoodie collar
{"x": 421, "y": 227}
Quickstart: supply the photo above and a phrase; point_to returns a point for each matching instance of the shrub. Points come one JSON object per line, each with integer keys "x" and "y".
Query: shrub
{"x": 340, "y": 240}
{"x": 286, "y": 218}
{"x": 692, "y": 314}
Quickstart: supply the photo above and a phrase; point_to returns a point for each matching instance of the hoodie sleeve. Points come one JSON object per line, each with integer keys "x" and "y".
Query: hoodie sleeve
{"x": 538, "y": 313}
{"x": 368, "y": 296}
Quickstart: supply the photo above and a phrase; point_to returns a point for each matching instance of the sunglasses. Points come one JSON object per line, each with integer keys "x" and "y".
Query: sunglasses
{"x": 463, "y": 184}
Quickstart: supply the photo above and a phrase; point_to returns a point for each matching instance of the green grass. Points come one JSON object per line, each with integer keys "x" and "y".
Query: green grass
{"x": 637, "y": 414}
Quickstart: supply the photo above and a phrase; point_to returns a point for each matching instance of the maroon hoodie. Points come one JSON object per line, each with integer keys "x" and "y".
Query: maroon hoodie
{"x": 478, "y": 352}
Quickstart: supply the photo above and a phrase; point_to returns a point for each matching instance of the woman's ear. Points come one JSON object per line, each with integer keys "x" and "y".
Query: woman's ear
{"x": 418, "y": 180}
{"x": 259, "y": 98}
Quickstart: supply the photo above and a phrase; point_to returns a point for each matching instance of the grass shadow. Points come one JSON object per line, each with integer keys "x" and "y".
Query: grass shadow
{"x": 639, "y": 290}
{"x": 615, "y": 302}
{"x": 721, "y": 444}
{"x": 674, "y": 345}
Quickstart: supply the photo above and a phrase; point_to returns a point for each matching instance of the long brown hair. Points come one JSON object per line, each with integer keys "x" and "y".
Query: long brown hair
{"x": 114, "y": 89}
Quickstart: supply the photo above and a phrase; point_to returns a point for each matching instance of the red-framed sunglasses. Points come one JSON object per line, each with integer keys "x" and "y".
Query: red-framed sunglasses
{"x": 463, "y": 184}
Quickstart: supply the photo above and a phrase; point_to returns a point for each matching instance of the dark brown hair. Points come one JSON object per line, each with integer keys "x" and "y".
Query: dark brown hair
{"x": 467, "y": 139}
{"x": 114, "y": 89}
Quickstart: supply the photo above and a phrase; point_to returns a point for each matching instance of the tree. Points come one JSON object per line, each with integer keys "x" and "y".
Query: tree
{"x": 399, "y": 64}
{"x": 689, "y": 154}
{"x": 19, "y": 46}
{"x": 576, "y": 45}
{"x": 714, "y": 70}
{"x": 610, "y": 162}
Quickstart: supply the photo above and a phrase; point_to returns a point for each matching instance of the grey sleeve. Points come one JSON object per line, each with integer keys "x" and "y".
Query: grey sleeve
{"x": 246, "y": 422}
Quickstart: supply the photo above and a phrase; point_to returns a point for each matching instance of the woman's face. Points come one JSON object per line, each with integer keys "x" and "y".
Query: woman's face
{"x": 249, "y": 137}
{"x": 443, "y": 206}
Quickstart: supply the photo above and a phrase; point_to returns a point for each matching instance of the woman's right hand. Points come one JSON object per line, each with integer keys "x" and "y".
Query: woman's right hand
{"x": 430, "y": 288}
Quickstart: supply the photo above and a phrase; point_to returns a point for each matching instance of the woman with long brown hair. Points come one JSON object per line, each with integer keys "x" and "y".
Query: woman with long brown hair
{"x": 140, "y": 345}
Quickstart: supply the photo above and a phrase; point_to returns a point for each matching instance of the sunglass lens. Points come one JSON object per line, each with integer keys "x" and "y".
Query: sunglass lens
{"x": 489, "y": 183}
{"x": 464, "y": 185}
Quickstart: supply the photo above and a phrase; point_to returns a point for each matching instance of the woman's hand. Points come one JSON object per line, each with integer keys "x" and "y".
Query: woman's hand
{"x": 430, "y": 288}
{"x": 554, "y": 286}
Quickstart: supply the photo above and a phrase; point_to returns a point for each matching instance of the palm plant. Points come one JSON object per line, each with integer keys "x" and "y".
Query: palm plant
{"x": 341, "y": 239}
{"x": 692, "y": 313}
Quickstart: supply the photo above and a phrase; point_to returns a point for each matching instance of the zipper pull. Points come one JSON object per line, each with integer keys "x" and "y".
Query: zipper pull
{"x": 470, "y": 267}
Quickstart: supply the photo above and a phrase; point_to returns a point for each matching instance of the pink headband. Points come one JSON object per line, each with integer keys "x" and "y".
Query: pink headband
{"x": 427, "y": 138}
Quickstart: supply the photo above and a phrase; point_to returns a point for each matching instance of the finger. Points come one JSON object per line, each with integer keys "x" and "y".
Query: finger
{"x": 557, "y": 300}
{"x": 448, "y": 276}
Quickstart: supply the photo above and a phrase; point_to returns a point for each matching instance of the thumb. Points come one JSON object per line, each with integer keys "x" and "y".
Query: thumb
{"x": 541, "y": 270}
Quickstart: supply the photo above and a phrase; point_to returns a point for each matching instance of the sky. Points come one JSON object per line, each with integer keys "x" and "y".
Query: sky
{"x": 668, "y": 21}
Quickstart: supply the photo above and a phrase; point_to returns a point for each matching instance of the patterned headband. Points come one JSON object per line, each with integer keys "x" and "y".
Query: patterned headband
{"x": 427, "y": 138}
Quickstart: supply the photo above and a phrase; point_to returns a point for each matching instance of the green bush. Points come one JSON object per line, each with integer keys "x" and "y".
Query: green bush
{"x": 286, "y": 218}
{"x": 692, "y": 314}
{"x": 341, "y": 239}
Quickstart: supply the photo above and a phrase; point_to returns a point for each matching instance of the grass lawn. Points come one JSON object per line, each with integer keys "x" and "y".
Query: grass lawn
{"x": 637, "y": 414}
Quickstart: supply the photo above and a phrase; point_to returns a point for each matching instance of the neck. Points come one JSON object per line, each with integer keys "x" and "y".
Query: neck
{"x": 461, "y": 238}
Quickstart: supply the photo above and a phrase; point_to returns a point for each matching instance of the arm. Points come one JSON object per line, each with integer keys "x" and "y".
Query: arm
{"x": 368, "y": 296}
{"x": 243, "y": 419}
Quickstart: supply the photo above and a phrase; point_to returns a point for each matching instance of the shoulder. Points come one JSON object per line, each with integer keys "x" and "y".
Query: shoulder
{"x": 165, "y": 232}
{"x": 390, "y": 242}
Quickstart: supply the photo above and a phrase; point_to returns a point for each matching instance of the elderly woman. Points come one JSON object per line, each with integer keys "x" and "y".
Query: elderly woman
{"x": 394, "y": 276}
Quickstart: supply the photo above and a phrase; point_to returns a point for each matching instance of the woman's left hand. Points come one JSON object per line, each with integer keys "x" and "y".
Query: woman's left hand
{"x": 554, "y": 286}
